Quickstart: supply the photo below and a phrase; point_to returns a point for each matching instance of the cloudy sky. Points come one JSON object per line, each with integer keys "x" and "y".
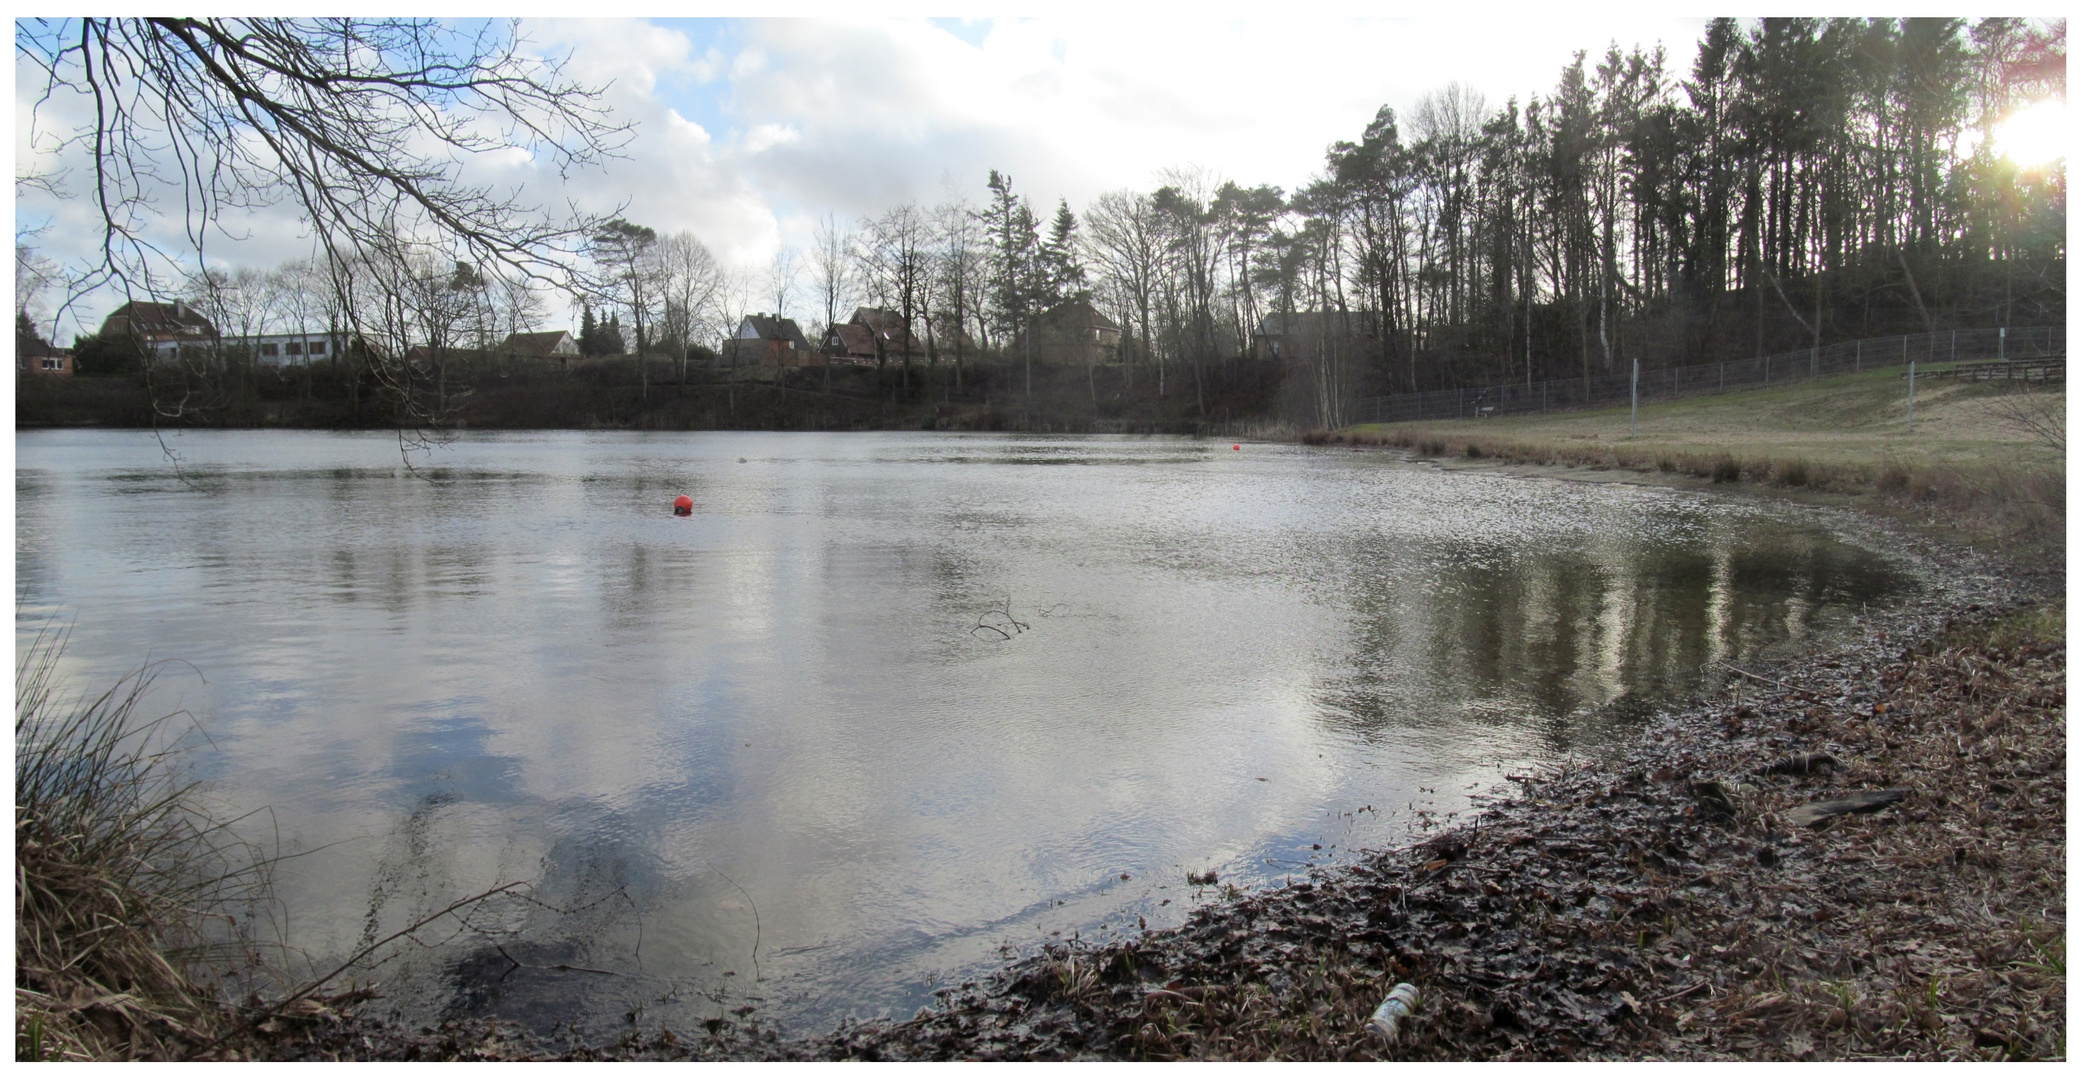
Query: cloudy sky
{"x": 747, "y": 130}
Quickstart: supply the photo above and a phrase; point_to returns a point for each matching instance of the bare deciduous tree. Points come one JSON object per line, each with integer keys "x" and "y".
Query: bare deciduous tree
{"x": 691, "y": 285}
{"x": 831, "y": 269}
{"x": 362, "y": 125}
{"x": 893, "y": 256}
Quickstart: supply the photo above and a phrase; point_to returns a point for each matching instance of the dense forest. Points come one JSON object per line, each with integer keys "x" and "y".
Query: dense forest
{"x": 1802, "y": 181}
{"x": 1798, "y": 182}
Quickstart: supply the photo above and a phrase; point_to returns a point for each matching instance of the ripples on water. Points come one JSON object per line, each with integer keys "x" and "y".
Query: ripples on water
{"x": 781, "y": 719}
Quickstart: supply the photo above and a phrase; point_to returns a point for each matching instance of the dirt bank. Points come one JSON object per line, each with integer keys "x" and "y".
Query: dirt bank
{"x": 1666, "y": 900}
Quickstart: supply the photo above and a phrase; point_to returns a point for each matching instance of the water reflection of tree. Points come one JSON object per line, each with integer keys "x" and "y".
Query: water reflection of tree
{"x": 1526, "y": 637}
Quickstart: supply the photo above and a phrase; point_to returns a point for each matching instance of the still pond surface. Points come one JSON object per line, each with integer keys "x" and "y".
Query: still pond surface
{"x": 886, "y": 703}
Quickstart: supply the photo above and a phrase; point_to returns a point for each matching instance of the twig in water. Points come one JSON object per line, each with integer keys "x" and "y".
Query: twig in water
{"x": 359, "y": 955}
{"x": 1003, "y": 612}
{"x": 756, "y": 930}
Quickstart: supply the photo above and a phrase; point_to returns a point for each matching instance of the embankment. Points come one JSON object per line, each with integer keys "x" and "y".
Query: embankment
{"x": 1983, "y": 465}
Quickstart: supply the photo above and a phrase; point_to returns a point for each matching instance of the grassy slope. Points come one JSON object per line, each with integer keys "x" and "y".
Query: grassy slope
{"x": 1968, "y": 469}
{"x": 1854, "y": 420}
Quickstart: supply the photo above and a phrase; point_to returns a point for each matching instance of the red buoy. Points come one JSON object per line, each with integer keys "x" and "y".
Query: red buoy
{"x": 1237, "y": 446}
{"x": 683, "y": 506}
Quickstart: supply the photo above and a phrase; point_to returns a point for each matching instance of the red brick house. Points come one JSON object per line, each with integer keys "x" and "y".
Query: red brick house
{"x": 1074, "y": 333}
{"x": 767, "y": 339}
{"x": 849, "y": 343}
{"x": 44, "y": 359}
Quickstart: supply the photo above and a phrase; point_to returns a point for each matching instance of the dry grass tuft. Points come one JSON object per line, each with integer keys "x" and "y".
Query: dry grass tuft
{"x": 1793, "y": 473}
{"x": 121, "y": 877}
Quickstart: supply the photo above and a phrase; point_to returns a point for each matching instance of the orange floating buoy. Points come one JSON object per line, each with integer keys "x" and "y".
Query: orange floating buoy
{"x": 683, "y": 506}
{"x": 1237, "y": 446}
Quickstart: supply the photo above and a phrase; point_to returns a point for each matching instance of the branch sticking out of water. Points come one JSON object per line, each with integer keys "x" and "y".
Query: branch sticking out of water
{"x": 360, "y": 955}
{"x": 757, "y": 931}
{"x": 999, "y": 620}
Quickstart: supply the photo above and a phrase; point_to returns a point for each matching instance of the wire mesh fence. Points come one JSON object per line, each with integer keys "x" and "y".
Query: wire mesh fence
{"x": 1947, "y": 347}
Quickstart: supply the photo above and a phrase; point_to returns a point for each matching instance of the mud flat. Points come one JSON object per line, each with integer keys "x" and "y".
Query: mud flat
{"x": 1685, "y": 895}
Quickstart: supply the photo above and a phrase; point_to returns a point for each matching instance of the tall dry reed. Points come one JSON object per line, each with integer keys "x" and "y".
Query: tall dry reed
{"x": 128, "y": 890}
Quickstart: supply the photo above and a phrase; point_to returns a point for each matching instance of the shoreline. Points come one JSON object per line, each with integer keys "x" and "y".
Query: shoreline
{"x": 1662, "y": 902}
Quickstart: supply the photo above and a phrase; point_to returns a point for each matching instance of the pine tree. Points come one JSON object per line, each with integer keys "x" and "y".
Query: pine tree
{"x": 27, "y": 341}
{"x": 588, "y": 332}
{"x": 1061, "y": 277}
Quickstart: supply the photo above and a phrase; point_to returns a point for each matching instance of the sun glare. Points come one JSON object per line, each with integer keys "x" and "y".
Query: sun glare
{"x": 2035, "y": 134}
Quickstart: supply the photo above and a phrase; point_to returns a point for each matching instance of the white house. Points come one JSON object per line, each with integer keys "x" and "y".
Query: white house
{"x": 274, "y": 350}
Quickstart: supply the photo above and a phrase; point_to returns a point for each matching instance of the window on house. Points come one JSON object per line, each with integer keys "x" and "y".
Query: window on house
{"x": 317, "y": 348}
{"x": 53, "y": 363}
{"x": 293, "y": 348}
{"x": 268, "y": 348}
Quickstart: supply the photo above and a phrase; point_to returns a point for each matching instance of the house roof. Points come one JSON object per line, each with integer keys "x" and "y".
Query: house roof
{"x": 544, "y": 343}
{"x": 150, "y": 318}
{"x": 771, "y": 328}
{"x": 1080, "y": 314}
{"x": 882, "y": 321}
{"x": 41, "y": 347}
{"x": 853, "y": 338}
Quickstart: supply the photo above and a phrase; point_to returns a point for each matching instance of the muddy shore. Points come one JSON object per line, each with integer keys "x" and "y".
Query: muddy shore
{"x": 1674, "y": 898}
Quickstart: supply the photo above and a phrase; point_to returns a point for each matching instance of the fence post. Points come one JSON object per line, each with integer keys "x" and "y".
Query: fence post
{"x": 1858, "y": 364}
{"x": 1813, "y": 364}
{"x": 2002, "y": 351}
{"x": 1636, "y": 398}
{"x": 1911, "y": 395}
{"x": 1954, "y": 345}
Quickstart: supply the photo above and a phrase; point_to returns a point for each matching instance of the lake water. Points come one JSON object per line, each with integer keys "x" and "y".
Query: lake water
{"x": 886, "y": 704}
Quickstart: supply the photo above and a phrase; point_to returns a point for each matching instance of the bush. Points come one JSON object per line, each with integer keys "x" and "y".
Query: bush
{"x": 95, "y": 355}
{"x": 1726, "y": 469}
{"x": 1793, "y": 473}
{"x": 1473, "y": 450}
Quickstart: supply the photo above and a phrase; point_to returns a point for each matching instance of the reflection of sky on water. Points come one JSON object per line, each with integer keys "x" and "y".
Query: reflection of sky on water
{"x": 522, "y": 666}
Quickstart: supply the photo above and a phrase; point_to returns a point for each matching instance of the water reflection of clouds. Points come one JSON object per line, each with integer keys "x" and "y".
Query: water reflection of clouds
{"x": 531, "y": 660}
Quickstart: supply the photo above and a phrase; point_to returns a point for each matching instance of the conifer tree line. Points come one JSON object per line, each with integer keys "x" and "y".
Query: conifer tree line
{"x": 1799, "y": 181}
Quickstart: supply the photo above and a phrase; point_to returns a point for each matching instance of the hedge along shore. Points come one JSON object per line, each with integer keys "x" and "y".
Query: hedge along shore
{"x": 1660, "y": 901}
